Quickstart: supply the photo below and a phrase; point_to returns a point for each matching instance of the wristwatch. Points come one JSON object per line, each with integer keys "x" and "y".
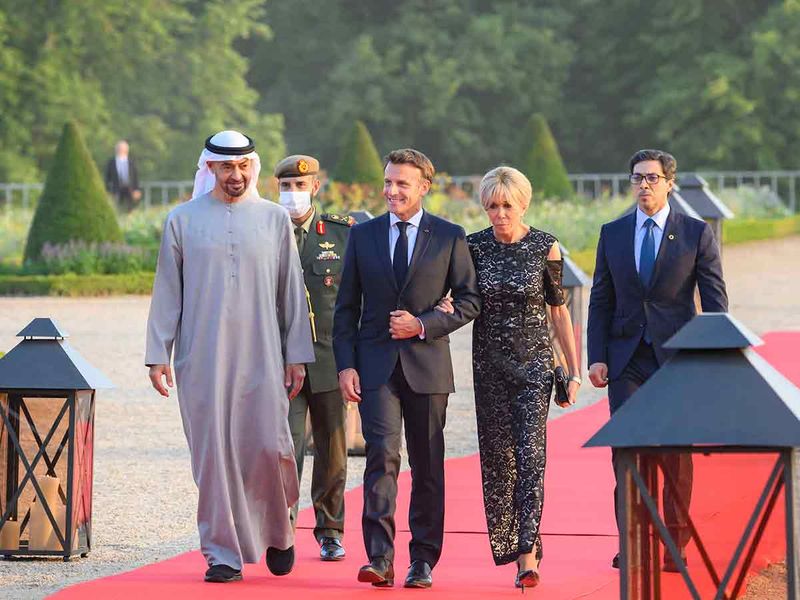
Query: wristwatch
{"x": 576, "y": 379}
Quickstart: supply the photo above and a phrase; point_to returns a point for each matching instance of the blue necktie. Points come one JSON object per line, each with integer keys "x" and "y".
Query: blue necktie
{"x": 647, "y": 255}
{"x": 400, "y": 259}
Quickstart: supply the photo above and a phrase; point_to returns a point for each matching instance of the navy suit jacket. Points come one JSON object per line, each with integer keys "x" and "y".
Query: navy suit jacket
{"x": 621, "y": 308}
{"x": 368, "y": 292}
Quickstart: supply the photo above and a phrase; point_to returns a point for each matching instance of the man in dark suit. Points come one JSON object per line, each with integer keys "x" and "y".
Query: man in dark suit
{"x": 648, "y": 264}
{"x": 393, "y": 354}
{"x": 122, "y": 178}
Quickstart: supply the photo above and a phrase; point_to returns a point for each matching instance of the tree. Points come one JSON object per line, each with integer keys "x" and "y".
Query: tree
{"x": 74, "y": 205}
{"x": 359, "y": 161}
{"x": 141, "y": 71}
{"x": 541, "y": 161}
{"x": 453, "y": 78}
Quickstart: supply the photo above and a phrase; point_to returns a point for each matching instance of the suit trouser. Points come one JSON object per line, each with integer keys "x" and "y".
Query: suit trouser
{"x": 329, "y": 476}
{"x": 679, "y": 467}
{"x": 382, "y": 413}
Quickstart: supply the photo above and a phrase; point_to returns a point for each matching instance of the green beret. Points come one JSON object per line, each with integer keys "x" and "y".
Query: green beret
{"x": 297, "y": 165}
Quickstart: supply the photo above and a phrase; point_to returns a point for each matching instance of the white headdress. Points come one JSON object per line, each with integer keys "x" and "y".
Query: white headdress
{"x": 226, "y": 145}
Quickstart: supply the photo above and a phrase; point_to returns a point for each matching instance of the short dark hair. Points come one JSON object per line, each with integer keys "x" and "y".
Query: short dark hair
{"x": 668, "y": 162}
{"x": 409, "y": 156}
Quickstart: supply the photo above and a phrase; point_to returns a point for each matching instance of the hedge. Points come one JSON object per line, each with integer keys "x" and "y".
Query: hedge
{"x": 74, "y": 205}
{"x": 738, "y": 231}
{"x": 76, "y": 285}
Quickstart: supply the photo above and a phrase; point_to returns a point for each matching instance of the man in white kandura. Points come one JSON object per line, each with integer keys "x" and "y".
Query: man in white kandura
{"x": 229, "y": 296}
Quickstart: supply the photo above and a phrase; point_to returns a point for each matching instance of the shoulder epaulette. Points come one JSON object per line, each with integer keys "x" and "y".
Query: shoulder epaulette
{"x": 339, "y": 219}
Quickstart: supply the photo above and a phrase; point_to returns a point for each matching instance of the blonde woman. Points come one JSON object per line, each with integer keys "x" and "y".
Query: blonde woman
{"x": 519, "y": 271}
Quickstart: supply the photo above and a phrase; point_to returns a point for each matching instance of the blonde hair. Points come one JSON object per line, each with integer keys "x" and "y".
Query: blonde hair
{"x": 507, "y": 183}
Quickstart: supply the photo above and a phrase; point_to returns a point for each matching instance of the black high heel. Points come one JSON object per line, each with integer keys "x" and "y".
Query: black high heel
{"x": 527, "y": 577}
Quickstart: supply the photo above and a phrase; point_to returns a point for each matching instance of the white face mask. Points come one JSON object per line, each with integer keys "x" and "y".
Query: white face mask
{"x": 297, "y": 203}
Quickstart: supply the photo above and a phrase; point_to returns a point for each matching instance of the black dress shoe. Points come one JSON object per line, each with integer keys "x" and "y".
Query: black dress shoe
{"x": 419, "y": 575}
{"x": 280, "y": 562}
{"x": 331, "y": 548}
{"x": 379, "y": 572}
{"x": 222, "y": 574}
{"x": 669, "y": 564}
{"x": 615, "y": 561}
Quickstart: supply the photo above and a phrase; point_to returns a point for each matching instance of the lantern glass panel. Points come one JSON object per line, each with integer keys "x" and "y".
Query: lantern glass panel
{"x": 83, "y": 460}
{"x": 723, "y": 492}
{"x": 36, "y": 419}
{"x": 4, "y": 441}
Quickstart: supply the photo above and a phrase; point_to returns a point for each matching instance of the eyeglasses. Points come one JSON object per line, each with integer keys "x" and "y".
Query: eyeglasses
{"x": 651, "y": 178}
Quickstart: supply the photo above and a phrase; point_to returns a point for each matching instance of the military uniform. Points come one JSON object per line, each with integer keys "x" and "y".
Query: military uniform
{"x": 321, "y": 242}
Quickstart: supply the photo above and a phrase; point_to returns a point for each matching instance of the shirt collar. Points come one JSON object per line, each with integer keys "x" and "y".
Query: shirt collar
{"x": 307, "y": 223}
{"x": 413, "y": 220}
{"x": 660, "y": 217}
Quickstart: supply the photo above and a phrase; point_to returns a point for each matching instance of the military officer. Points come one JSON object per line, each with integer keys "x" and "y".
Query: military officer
{"x": 321, "y": 241}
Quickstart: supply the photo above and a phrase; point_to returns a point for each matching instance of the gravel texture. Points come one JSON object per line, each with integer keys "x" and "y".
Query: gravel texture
{"x": 144, "y": 496}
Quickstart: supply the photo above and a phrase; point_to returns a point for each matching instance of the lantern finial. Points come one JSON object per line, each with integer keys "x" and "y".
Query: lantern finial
{"x": 43, "y": 327}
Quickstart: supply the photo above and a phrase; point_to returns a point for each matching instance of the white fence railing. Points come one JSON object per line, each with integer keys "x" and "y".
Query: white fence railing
{"x": 785, "y": 184}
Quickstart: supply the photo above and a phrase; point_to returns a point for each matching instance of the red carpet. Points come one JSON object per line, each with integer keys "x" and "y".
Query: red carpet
{"x": 578, "y": 528}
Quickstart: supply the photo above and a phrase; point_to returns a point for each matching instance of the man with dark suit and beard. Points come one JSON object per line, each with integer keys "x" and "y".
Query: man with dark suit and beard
{"x": 393, "y": 355}
{"x": 648, "y": 265}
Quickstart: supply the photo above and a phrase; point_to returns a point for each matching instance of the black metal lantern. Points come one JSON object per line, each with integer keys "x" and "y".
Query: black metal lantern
{"x": 573, "y": 281}
{"x": 47, "y": 393}
{"x": 695, "y": 191}
{"x": 715, "y": 399}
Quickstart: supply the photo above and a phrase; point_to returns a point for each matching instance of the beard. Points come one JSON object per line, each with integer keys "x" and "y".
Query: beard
{"x": 235, "y": 189}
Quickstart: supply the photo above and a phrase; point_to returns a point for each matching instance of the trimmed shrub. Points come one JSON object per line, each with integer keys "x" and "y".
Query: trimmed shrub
{"x": 74, "y": 205}
{"x": 359, "y": 161}
{"x": 541, "y": 161}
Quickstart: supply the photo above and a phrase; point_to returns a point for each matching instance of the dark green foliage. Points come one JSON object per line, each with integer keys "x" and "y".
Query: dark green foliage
{"x": 359, "y": 161}
{"x": 541, "y": 161}
{"x": 141, "y": 71}
{"x": 74, "y": 205}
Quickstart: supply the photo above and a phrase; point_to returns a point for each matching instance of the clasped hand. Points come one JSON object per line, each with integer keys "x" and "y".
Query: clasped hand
{"x": 403, "y": 325}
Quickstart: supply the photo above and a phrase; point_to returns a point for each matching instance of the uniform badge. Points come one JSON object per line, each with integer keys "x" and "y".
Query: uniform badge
{"x": 328, "y": 280}
{"x": 320, "y": 227}
{"x": 302, "y": 166}
{"x": 328, "y": 255}
{"x": 326, "y": 245}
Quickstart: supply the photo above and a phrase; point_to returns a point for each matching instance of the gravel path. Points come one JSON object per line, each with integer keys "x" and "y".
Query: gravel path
{"x": 144, "y": 496}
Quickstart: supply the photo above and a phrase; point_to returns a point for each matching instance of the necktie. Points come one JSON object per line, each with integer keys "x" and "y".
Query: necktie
{"x": 647, "y": 255}
{"x": 400, "y": 259}
{"x": 300, "y": 237}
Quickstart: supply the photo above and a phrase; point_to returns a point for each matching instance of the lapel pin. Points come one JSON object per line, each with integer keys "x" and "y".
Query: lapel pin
{"x": 671, "y": 236}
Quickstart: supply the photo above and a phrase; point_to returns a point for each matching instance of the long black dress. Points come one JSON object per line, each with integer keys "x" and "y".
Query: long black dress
{"x": 513, "y": 374}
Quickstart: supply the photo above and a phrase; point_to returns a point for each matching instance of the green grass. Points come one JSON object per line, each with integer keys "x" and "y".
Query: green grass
{"x": 738, "y": 231}
{"x": 76, "y": 285}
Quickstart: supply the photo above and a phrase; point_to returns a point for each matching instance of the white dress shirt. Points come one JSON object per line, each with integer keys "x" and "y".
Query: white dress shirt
{"x": 660, "y": 219}
{"x": 123, "y": 173}
{"x": 411, "y": 233}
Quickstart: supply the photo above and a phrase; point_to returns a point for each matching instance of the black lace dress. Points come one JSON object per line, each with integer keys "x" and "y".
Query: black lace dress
{"x": 512, "y": 361}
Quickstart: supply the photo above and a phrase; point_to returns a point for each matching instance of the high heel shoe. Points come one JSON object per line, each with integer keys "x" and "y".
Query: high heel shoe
{"x": 527, "y": 577}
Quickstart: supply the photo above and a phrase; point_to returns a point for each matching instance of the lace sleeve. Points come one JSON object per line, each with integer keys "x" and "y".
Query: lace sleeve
{"x": 553, "y": 292}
